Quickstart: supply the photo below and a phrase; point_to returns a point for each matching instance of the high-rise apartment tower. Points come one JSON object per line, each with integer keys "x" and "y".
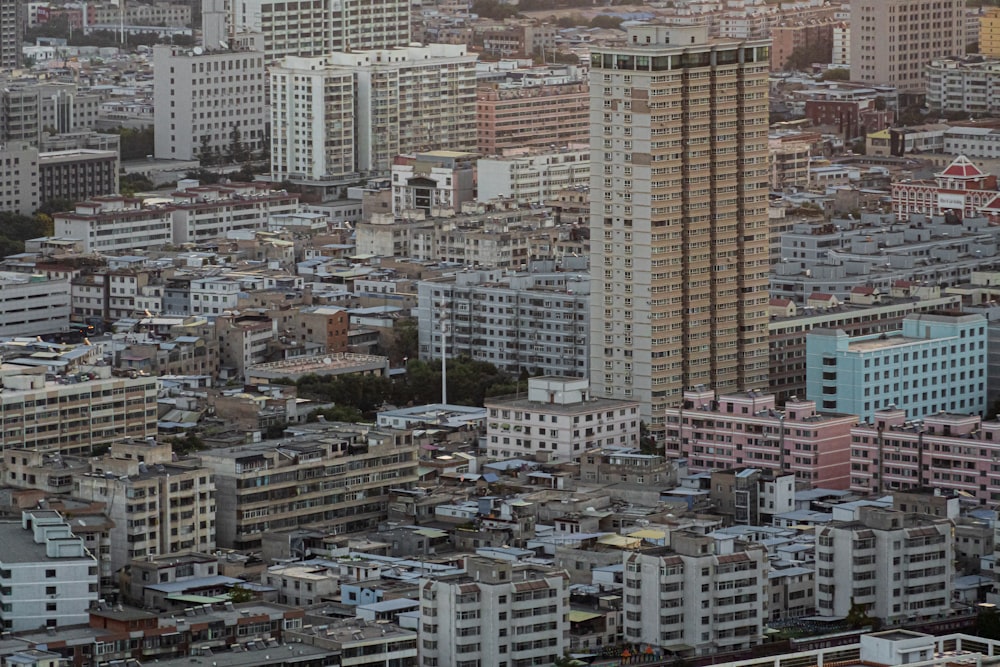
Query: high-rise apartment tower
{"x": 678, "y": 229}
{"x": 11, "y": 26}
{"x": 893, "y": 40}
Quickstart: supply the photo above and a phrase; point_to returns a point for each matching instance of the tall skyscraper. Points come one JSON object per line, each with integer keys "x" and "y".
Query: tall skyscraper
{"x": 678, "y": 227}
{"x": 11, "y": 26}
{"x": 893, "y": 40}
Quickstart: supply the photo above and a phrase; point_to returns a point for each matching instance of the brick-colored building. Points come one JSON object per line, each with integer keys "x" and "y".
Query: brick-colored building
{"x": 785, "y": 38}
{"x": 539, "y": 116}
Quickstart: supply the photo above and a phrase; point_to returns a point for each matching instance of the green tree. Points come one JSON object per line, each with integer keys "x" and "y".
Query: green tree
{"x": 647, "y": 442}
{"x": 129, "y": 184}
{"x": 187, "y": 444}
{"x": 492, "y": 9}
{"x": 606, "y": 21}
{"x": 136, "y": 143}
{"x": 405, "y": 341}
{"x": 239, "y": 593}
{"x": 988, "y": 623}
{"x": 237, "y": 151}
{"x": 836, "y": 74}
{"x": 857, "y": 616}
{"x": 803, "y": 57}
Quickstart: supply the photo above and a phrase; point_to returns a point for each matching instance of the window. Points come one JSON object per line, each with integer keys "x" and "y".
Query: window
{"x": 50, "y": 574}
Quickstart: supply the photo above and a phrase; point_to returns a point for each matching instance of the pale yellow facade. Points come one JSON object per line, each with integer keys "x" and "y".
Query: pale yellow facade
{"x": 679, "y": 221}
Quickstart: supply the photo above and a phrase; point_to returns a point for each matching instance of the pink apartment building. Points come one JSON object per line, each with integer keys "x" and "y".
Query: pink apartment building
{"x": 748, "y": 430}
{"x": 954, "y": 452}
{"x": 539, "y": 116}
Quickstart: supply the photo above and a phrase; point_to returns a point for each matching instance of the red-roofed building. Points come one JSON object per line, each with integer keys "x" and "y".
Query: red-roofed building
{"x": 782, "y": 308}
{"x": 962, "y": 188}
{"x": 822, "y": 300}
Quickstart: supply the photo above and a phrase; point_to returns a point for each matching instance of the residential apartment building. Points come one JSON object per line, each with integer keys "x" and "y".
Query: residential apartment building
{"x": 497, "y": 235}
{"x": 890, "y": 42}
{"x": 697, "y": 597}
{"x": 856, "y": 316}
{"x": 19, "y": 178}
{"x": 434, "y": 183}
{"x": 312, "y": 120}
{"x": 936, "y": 363}
{"x": 614, "y": 465}
{"x": 319, "y": 27}
{"x": 536, "y": 320}
{"x": 210, "y": 104}
{"x": 679, "y": 237}
{"x": 945, "y": 451}
{"x": 533, "y": 177}
{"x": 203, "y": 213}
{"x": 77, "y": 175}
{"x": 172, "y": 14}
{"x": 194, "y": 214}
{"x": 894, "y": 565}
{"x": 75, "y": 412}
{"x": 558, "y": 421}
{"x": 30, "y": 107}
{"x": 539, "y": 116}
{"x": 365, "y": 24}
{"x": 115, "y": 224}
{"x": 157, "y": 507}
{"x": 792, "y": 34}
{"x": 841, "y": 51}
{"x": 243, "y": 337}
{"x": 961, "y": 84}
{"x": 989, "y": 32}
{"x": 33, "y": 304}
{"x": 499, "y": 613}
{"x": 751, "y": 496}
{"x": 722, "y": 431}
{"x": 410, "y": 99}
{"x": 339, "y": 480}
{"x": 11, "y": 31}
{"x": 48, "y": 577}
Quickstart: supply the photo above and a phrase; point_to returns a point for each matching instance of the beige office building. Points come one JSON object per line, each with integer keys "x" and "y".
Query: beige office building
{"x": 679, "y": 229}
{"x": 893, "y": 40}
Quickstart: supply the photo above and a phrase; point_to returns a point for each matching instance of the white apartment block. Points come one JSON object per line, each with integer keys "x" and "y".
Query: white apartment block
{"x": 71, "y": 414}
{"x": 368, "y": 24}
{"x": 205, "y": 100}
{"x": 115, "y": 224}
{"x": 533, "y": 178}
{"x": 499, "y": 613}
{"x": 409, "y": 100}
{"x": 841, "y": 46}
{"x": 972, "y": 142}
{"x": 195, "y": 213}
{"x": 897, "y": 566}
{"x": 19, "y": 174}
{"x": 434, "y": 183}
{"x": 964, "y": 85}
{"x": 697, "y": 597}
{"x": 157, "y": 507}
{"x": 33, "y": 304}
{"x": 312, "y": 120}
{"x": 213, "y": 295}
{"x": 537, "y": 321}
{"x": 312, "y": 28}
{"x": 47, "y": 577}
{"x": 202, "y": 213}
{"x": 559, "y": 420}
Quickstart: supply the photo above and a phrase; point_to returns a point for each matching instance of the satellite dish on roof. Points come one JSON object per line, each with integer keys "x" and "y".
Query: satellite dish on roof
{"x": 327, "y": 360}
{"x": 198, "y": 50}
